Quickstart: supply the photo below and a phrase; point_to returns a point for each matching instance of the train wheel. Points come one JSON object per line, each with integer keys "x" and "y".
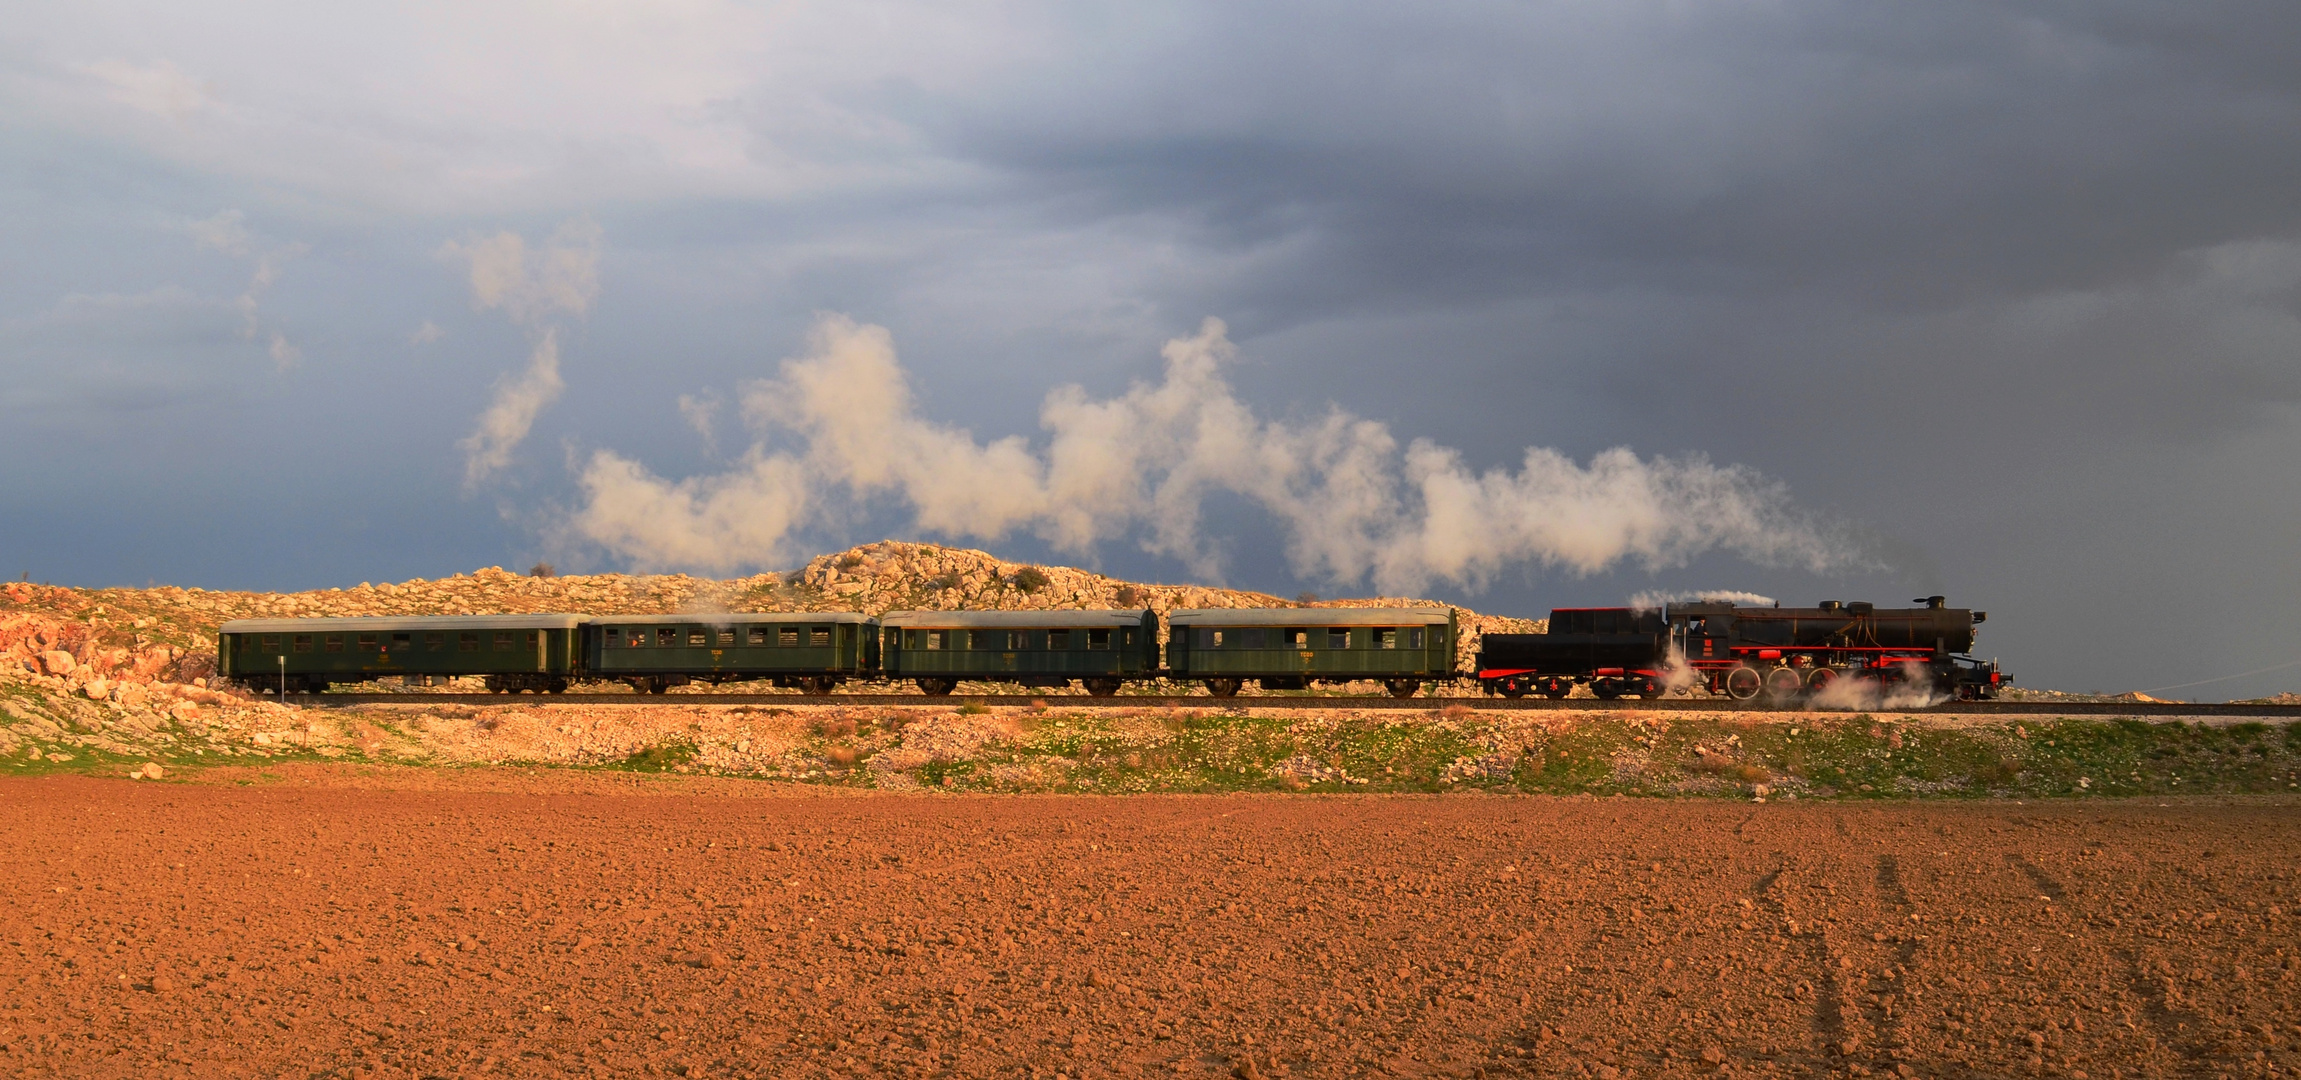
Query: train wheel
{"x": 1404, "y": 688}
{"x": 1102, "y": 687}
{"x": 1820, "y": 679}
{"x": 1555, "y": 688}
{"x": 1743, "y": 682}
{"x": 1606, "y": 689}
{"x": 815, "y": 685}
{"x": 1512, "y": 689}
{"x": 938, "y": 687}
{"x": 658, "y": 686}
{"x": 1224, "y": 687}
{"x": 1784, "y": 684}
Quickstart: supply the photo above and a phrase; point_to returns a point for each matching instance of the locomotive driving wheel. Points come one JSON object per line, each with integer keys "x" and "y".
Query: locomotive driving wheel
{"x": 1820, "y": 679}
{"x": 1784, "y": 684}
{"x": 1556, "y": 687}
{"x": 1743, "y": 682}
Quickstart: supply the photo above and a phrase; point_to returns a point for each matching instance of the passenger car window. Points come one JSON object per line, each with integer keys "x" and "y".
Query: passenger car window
{"x": 757, "y": 636}
{"x": 727, "y": 635}
{"x": 698, "y": 636}
{"x": 818, "y": 635}
{"x": 271, "y": 643}
{"x": 666, "y": 637}
{"x": 335, "y": 643}
{"x": 1338, "y": 637}
{"x": 614, "y": 638}
{"x": 402, "y": 641}
{"x": 1058, "y": 639}
{"x": 1098, "y": 639}
{"x": 504, "y": 641}
{"x": 1414, "y": 637}
{"x": 1385, "y": 638}
{"x": 467, "y": 643}
{"x": 433, "y": 640}
{"x": 938, "y": 639}
{"x": 788, "y": 637}
{"x": 367, "y": 643}
{"x": 303, "y": 643}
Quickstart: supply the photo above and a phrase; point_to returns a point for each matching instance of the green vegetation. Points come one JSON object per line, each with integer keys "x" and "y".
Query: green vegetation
{"x": 1813, "y": 757}
{"x": 661, "y": 757}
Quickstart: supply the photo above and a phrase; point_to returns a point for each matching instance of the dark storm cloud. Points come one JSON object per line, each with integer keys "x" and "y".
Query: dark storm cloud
{"x": 1900, "y": 154}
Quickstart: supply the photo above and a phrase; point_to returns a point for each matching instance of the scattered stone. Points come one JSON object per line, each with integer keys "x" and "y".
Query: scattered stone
{"x": 162, "y": 984}
{"x": 58, "y": 662}
{"x": 151, "y": 770}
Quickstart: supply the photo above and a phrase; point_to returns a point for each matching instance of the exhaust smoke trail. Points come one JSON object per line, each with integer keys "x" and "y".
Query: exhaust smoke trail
{"x": 1352, "y": 504}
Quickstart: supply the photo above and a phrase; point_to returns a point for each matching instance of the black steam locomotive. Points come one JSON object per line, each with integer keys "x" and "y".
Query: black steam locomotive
{"x": 1742, "y": 652}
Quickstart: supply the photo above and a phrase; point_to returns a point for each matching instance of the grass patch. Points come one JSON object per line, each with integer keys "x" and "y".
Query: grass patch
{"x": 662, "y": 757}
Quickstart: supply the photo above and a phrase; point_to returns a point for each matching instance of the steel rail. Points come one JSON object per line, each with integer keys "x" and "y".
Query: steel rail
{"x": 1277, "y": 701}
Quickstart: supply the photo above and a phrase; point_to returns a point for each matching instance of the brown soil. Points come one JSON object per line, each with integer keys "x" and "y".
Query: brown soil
{"x": 326, "y": 920}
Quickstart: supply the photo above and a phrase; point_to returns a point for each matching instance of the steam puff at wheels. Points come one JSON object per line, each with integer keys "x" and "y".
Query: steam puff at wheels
{"x": 1743, "y": 682}
{"x": 1820, "y": 679}
{"x": 1784, "y": 683}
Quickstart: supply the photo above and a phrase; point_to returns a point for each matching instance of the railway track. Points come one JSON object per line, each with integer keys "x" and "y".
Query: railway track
{"x": 1274, "y": 701}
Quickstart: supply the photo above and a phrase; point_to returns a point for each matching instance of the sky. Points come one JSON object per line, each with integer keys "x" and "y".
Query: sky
{"x": 1519, "y": 306}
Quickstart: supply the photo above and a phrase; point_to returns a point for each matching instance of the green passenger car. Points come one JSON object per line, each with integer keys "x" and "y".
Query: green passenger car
{"x": 512, "y": 652}
{"x": 1098, "y": 649}
{"x": 1293, "y": 648}
{"x": 813, "y": 651}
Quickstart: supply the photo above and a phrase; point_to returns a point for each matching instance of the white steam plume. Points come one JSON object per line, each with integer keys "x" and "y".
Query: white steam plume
{"x": 1652, "y": 600}
{"x": 1353, "y": 506}
{"x": 532, "y": 287}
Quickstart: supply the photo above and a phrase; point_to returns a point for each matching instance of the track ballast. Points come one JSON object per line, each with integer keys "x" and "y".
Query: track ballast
{"x": 1413, "y": 704}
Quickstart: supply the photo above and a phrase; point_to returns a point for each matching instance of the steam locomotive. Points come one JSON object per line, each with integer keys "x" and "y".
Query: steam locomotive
{"x": 1742, "y": 652}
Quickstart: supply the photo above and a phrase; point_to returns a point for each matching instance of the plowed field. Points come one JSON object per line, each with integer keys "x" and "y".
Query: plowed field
{"x": 495, "y": 922}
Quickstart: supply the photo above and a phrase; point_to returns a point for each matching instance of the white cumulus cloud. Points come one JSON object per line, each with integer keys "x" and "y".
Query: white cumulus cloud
{"x": 1353, "y": 505}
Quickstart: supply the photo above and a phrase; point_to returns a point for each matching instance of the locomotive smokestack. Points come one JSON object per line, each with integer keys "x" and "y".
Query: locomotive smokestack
{"x": 1933, "y": 601}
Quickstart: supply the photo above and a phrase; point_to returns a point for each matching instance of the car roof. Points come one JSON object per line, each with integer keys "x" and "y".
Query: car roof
{"x": 728, "y": 618}
{"x": 1014, "y": 619}
{"x": 1324, "y": 616}
{"x": 402, "y": 622}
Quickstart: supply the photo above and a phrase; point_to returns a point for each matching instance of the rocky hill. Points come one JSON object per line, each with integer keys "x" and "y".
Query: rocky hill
{"x": 66, "y": 639}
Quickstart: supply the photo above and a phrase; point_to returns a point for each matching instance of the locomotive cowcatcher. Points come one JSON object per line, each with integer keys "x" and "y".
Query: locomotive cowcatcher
{"x": 1742, "y": 652}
